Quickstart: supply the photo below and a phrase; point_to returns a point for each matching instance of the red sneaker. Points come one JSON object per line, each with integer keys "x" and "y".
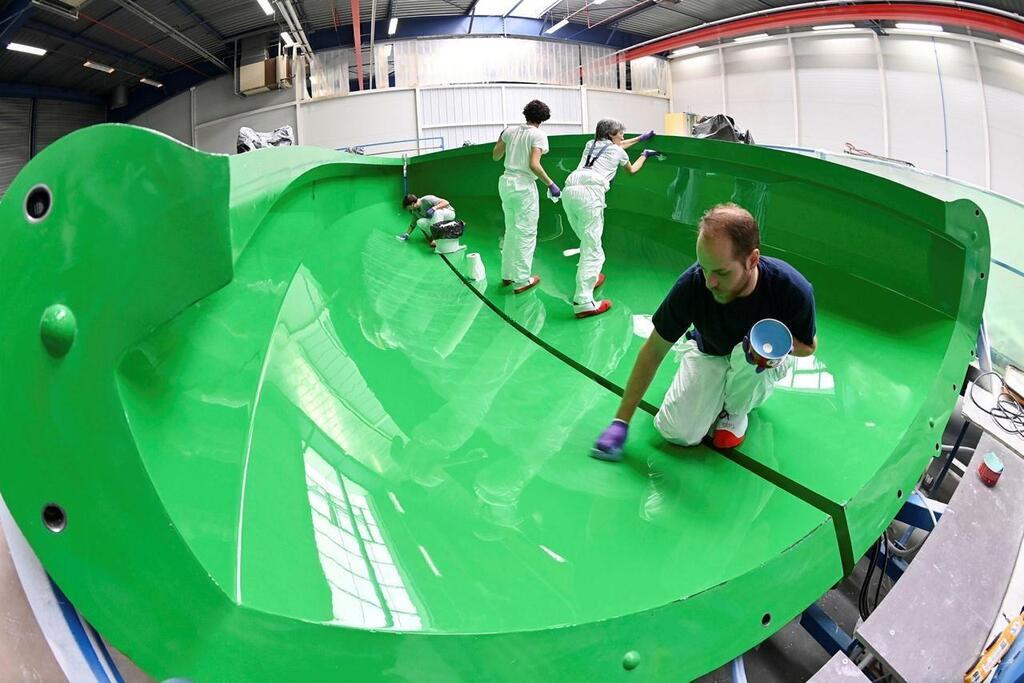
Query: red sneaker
{"x": 601, "y": 307}
{"x": 730, "y": 430}
{"x": 600, "y": 281}
{"x": 534, "y": 281}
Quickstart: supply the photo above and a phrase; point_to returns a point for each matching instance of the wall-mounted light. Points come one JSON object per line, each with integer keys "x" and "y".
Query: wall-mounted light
{"x": 27, "y": 49}
{"x": 744, "y": 39}
{"x": 684, "y": 51}
{"x": 918, "y": 27}
{"x": 392, "y": 26}
{"x": 832, "y": 27}
{"x": 98, "y": 67}
{"x": 562, "y": 24}
{"x": 265, "y": 6}
{"x": 150, "y": 81}
{"x": 1011, "y": 44}
{"x": 287, "y": 38}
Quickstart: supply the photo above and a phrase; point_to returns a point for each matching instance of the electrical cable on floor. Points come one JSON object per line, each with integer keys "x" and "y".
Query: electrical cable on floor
{"x": 862, "y": 598}
{"x": 1007, "y": 413}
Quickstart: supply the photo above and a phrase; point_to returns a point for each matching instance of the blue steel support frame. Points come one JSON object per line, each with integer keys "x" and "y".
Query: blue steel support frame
{"x": 92, "y": 45}
{"x": 13, "y": 18}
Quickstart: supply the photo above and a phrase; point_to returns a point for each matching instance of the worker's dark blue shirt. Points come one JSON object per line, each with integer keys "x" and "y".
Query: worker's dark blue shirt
{"x": 781, "y": 293}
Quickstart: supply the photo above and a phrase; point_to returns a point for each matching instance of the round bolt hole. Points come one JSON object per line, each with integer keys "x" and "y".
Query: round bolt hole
{"x": 899, "y": 493}
{"x": 977, "y": 212}
{"x": 981, "y": 276}
{"x": 38, "y": 203}
{"x": 54, "y": 518}
{"x": 766, "y": 619}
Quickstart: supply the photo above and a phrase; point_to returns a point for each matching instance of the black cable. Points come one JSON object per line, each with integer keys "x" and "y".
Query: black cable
{"x": 881, "y": 576}
{"x": 862, "y": 598}
{"x": 1007, "y": 413}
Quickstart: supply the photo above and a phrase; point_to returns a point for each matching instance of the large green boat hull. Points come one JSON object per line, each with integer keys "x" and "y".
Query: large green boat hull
{"x": 272, "y": 442}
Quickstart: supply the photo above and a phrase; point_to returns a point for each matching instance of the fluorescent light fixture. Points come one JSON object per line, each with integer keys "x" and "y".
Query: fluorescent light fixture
{"x": 562, "y": 24}
{"x": 756, "y": 36}
{"x": 287, "y": 38}
{"x": 494, "y": 8}
{"x": 831, "y": 27}
{"x": 392, "y": 26}
{"x": 598, "y": 2}
{"x": 918, "y": 27}
{"x": 265, "y": 6}
{"x": 684, "y": 51}
{"x": 1002, "y": 41}
{"x": 150, "y": 81}
{"x": 99, "y": 67}
{"x": 28, "y": 49}
{"x": 534, "y": 9}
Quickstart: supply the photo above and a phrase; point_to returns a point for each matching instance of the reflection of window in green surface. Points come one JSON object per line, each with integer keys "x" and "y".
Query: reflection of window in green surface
{"x": 366, "y": 588}
{"x": 808, "y": 374}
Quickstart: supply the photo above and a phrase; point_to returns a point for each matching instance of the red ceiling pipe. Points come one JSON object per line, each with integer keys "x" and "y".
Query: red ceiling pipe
{"x": 939, "y": 14}
{"x": 357, "y": 38}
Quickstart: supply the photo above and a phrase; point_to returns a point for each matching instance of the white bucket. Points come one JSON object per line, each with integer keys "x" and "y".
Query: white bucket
{"x": 475, "y": 267}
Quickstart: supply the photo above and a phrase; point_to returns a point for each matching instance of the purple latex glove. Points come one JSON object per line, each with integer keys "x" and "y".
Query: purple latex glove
{"x": 430, "y": 212}
{"x": 761, "y": 363}
{"x": 609, "y": 444}
{"x": 554, "y": 190}
{"x": 648, "y": 153}
{"x": 647, "y": 136}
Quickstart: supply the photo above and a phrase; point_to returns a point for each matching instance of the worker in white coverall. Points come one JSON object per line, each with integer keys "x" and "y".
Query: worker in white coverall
{"x": 584, "y": 201}
{"x": 426, "y": 211}
{"x": 715, "y": 303}
{"x": 522, "y": 147}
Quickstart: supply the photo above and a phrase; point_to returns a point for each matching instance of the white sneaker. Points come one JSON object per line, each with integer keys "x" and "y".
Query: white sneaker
{"x": 730, "y": 430}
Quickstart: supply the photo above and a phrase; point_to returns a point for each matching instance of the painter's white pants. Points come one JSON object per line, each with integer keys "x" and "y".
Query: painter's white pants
{"x": 521, "y": 204}
{"x": 584, "y": 207}
{"x": 440, "y": 216}
{"x": 704, "y": 385}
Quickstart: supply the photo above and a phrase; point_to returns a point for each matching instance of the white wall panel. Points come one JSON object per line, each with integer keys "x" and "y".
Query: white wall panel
{"x": 172, "y": 117}
{"x": 964, "y": 101}
{"x": 566, "y": 106}
{"x": 917, "y": 127}
{"x": 216, "y": 99}
{"x": 1002, "y": 72}
{"x": 697, "y": 84}
{"x": 638, "y": 113}
{"x": 372, "y": 118}
{"x": 759, "y": 91}
{"x": 222, "y": 137}
{"x": 480, "y": 104}
{"x": 840, "y": 92}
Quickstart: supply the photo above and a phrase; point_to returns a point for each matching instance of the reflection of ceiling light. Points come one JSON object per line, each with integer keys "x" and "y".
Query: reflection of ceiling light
{"x": 831, "y": 27}
{"x": 28, "y": 49}
{"x": 561, "y": 24}
{"x": 265, "y": 6}
{"x": 917, "y": 27}
{"x": 150, "y": 81}
{"x": 99, "y": 67}
{"x": 1002, "y": 41}
{"x": 392, "y": 26}
{"x": 685, "y": 51}
{"x": 598, "y": 2}
{"x": 756, "y": 36}
{"x": 287, "y": 38}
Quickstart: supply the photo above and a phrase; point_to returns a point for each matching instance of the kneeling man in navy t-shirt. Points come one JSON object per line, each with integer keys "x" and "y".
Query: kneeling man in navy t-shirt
{"x": 728, "y": 290}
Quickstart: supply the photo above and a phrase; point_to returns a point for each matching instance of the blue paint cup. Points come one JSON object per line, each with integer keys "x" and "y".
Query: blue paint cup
{"x": 770, "y": 342}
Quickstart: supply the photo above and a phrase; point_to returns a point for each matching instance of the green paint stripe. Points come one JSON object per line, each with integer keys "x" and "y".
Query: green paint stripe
{"x": 834, "y": 510}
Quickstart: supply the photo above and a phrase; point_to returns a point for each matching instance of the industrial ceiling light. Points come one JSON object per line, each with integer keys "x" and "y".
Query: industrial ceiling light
{"x": 98, "y": 67}
{"x": 756, "y": 36}
{"x": 1011, "y": 44}
{"x": 832, "y": 27}
{"x": 392, "y": 26}
{"x": 27, "y": 49}
{"x": 917, "y": 27}
{"x": 685, "y": 51}
{"x": 562, "y": 24}
{"x": 287, "y": 38}
{"x": 265, "y": 6}
{"x": 598, "y": 2}
{"x": 150, "y": 81}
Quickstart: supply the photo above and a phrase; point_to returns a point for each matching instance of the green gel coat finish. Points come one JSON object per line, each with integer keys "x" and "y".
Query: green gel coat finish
{"x": 294, "y": 448}
{"x": 57, "y": 330}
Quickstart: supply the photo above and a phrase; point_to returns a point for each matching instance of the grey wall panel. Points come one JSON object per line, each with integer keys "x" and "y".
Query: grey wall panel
{"x": 172, "y": 117}
{"x": 697, "y": 84}
{"x": 963, "y": 103}
{"x": 348, "y": 121}
{"x": 15, "y": 115}
{"x": 56, "y": 118}
{"x": 222, "y": 137}
{"x": 917, "y": 126}
{"x": 216, "y": 99}
{"x": 1002, "y": 72}
{"x": 759, "y": 91}
{"x": 638, "y": 113}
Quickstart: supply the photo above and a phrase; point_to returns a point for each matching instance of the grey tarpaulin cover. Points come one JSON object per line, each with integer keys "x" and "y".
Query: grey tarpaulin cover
{"x": 249, "y": 139}
{"x": 720, "y": 127}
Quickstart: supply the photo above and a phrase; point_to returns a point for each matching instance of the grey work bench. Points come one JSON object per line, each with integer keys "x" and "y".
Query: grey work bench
{"x": 839, "y": 669}
{"x": 933, "y": 624}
